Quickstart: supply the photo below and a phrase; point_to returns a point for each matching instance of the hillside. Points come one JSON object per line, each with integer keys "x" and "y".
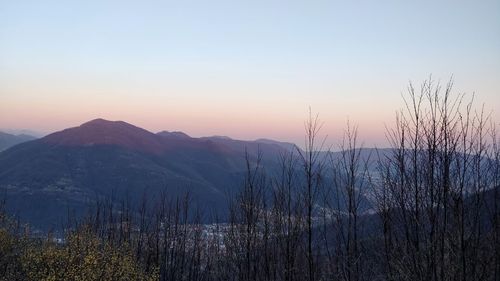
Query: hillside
{"x": 69, "y": 170}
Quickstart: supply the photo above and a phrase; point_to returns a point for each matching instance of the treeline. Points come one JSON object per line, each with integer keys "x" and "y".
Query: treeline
{"x": 427, "y": 209}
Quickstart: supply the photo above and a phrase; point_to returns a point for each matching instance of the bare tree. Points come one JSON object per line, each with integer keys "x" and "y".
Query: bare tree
{"x": 432, "y": 187}
{"x": 312, "y": 165}
{"x": 287, "y": 214}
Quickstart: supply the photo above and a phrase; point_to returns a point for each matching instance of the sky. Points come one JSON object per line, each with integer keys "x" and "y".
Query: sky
{"x": 245, "y": 69}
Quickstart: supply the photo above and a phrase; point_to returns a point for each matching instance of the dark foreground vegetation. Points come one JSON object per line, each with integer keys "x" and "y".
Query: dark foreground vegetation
{"x": 433, "y": 214}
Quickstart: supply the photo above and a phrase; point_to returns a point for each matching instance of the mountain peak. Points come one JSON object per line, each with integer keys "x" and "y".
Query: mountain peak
{"x": 103, "y": 132}
{"x": 98, "y": 120}
{"x": 104, "y": 122}
{"x": 220, "y": 137}
{"x": 175, "y": 134}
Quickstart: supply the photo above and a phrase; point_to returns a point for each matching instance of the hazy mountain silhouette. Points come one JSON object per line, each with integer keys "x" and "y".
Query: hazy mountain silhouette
{"x": 69, "y": 170}
{"x": 9, "y": 140}
{"x": 45, "y": 178}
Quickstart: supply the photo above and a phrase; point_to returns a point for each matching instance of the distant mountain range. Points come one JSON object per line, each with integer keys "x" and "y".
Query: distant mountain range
{"x": 65, "y": 171}
{"x": 45, "y": 179}
{"x": 9, "y": 140}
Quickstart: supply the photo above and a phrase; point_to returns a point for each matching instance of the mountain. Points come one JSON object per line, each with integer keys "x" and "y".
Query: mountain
{"x": 286, "y": 145}
{"x": 168, "y": 134}
{"x": 46, "y": 179}
{"x": 9, "y": 140}
{"x": 66, "y": 171}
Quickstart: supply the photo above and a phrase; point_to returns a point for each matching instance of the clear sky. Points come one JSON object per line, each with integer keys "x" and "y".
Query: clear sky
{"x": 247, "y": 69}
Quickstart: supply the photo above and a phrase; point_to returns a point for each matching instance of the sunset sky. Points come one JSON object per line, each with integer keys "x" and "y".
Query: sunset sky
{"x": 246, "y": 69}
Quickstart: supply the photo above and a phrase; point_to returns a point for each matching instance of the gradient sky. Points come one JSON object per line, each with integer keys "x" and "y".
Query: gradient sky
{"x": 247, "y": 69}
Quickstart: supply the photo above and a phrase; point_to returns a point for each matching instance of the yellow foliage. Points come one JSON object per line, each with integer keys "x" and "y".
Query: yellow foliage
{"x": 82, "y": 258}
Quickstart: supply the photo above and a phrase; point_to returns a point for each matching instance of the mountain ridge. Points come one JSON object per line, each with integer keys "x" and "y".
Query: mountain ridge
{"x": 8, "y": 140}
{"x": 101, "y": 158}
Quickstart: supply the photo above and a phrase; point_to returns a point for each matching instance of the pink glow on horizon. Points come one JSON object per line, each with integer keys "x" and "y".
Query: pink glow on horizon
{"x": 205, "y": 110}
{"x": 280, "y": 127}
